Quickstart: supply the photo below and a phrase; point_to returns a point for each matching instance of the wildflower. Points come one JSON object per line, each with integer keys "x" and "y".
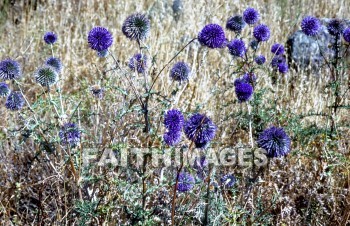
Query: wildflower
{"x": 335, "y": 27}
{"x": 346, "y": 34}
{"x": 185, "y": 182}
{"x": 283, "y": 68}
{"x": 99, "y": 38}
{"x": 227, "y": 181}
{"x": 200, "y": 129}
{"x": 55, "y": 63}
{"x": 102, "y": 53}
{"x": 70, "y": 134}
{"x": 275, "y": 141}
{"x": 138, "y": 62}
{"x": 180, "y": 72}
{"x": 136, "y": 27}
{"x": 260, "y": 59}
{"x": 15, "y": 101}
{"x": 4, "y": 89}
{"x": 172, "y": 137}
{"x": 10, "y": 69}
{"x": 50, "y": 38}
{"x": 277, "y": 49}
{"x": 174, "y": 120}
{"x": 243, "y": 91}
{"x": 261, "y": 33}
{"x": 212, "y": 36}
{"x": 46, "y": 76}
{"x": 310, "y": 26}
{"x": 237, "y": 48}
{"x": 251, "y": 16}
{"x": 235, "y": 24}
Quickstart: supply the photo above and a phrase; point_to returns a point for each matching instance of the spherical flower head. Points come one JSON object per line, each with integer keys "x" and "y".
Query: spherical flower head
{"x": 277, "y": 60}
{"x": 243, "y": 91}
{"x": 15, "y": 101}
{"x": 277, "y": 49}
{"x": 254, "y": 44}
{"x": 138, "y": 62}
{"x": 185, "y": 182}
{"x": 251, "y": 16}
{"x": 97, "y": 91}
{"x": 283, "y": 68}
{"x": 99, "y": 38}
{"x": 275, "y": 142}
{"x": 310, "y": 26}
{"x": 172, "y": 137}
{"x": 227, "y": 181}
{"x": 212, "y": 36}
{"x": 180, "y": 72}
{"x": 237, "y": 48}
{"x": 335, "y": 27}
{"x": 174, "y": 120}
{"x": 261, "y": 33}
{"x": 102, "y": 53}
{"x": 10, "y": 69}
{"x": 200, "y": 129}
{"x": 55, "y": 63}
{"x": 200, "y": 163}
{"x": 50, "y": 38}
{"x": 46, "y": 76}
{"x": 69, "y": 134}
{"x": 136, "y": 27}
{"x": 249, "y": 78}
{"x": 260, "y": 60}
{"x": 346, "y": 34}
{"x": 4, "y": 89}
{"x": 235, "y": 24}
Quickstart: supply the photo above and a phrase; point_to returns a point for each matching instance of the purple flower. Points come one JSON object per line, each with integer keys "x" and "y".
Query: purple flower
{"x": 246, "y": 78}
{"x": 174, "y": 120}
{"x": 138, "y": 62}
{"x": 136, "y": 27}
{"x": 15, "y": 101}
{"x": 4, "y": 89}
{"x": 275, "y": 141}
{"x": 237, "y": 48}
{"x": 200, "y": 129}
{"x": 310, "y": 26}
{"x": 180, "y": 72}
{"x": 172, "y": 137}
{"x": 261, "y": 33}
{"x": 254, "y": 44}
{"x": 212, "y": 36}
{"x": 70, "y": 134}
{"x": 185, "y": 182}
{"x": 55, "y": 63}
{"x": 260, "y": 59}
{"x": 200, "y": 163}
{"x": 346, "y": 34}
{"x": 335, "y": 27}
{"x": 283, "y": 68}
{"x": 235, "y": 24}
{"x": 46, "y": 76}
{"x": 100, "y": 38}
{"x": 227, "y": 181}
{"x": 277, "y": 60}
{"x": 10, "y": 69}
{"x": 50, "y": 38}
{"x": 277, "y": 49}
{"x": 243, "y": 91}
{"x": 250, "y": 16}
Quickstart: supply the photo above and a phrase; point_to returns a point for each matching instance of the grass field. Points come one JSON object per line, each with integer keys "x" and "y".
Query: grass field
{"x": 44, "y": 183}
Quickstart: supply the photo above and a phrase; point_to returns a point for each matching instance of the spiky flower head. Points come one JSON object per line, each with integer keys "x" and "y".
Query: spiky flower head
{"x": 174, "y": 120}
{"x": 277, "y": 60}
{"x": 243, "y": 91}
{"x": 228, "y": 180}
{"x": 46, "y": 76}
{"x": 251, "y": 16}
{"x": 50, "y": 38}
{"x": 246, "y": 78}
{"x": 97, "y": 91}
{"x": 310, "y": 25}
{"x": 102, "y": 53}
{"x": 235, "y": 24}
{"x": 180, "y": 72}
{"x": 4, "y": 89}
{"x": 69, "y": 134}
{"x": 99, "y": 38}
{"x": 275, "y": 142}
{"x": 237, "y": 48}
{"x": 10, "y": 69}
{"x": 138, "y": 62}
{"x": 185, "y": 182}
{"x": 55, "y": 63}
{"x": 346, "y": 34}
{"x": 283, "y": 68}
{"x": 14, "y": 101}
{"x": 261, "y": 33}
{"x": 200, "y": 129}
{"x": 136, "y": 27}
{"x": 260, "y": 59}
{"x": 172, "y": 137}
{"x": 335, "y": 27}
{"x": 277, "y": 49}
{"x": 200, "y": 163}
{"x": 254, "y": 44}
{"x": 212, "y": 36}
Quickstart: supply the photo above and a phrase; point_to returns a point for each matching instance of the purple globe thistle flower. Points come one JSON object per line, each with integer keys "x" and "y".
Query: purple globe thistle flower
{"x": 200, "y": 163}
{"x": 212, "y": 36}
{"x": 4, "y": 89}
{"x": 138, "y": 62}
{"x": 237, "y": 48}
{"x": 283, "y": 68}
{"x": 310, "y": 26}
{"x": 277, "y": 49}
{"x": 99, "y": 38}
{"x": 102, "y": 53}
{"x": 346, "y": 34}
{"x": 180, "y": 72}
{"x": 254, "y": 44}
{"x": 275, "y": 141}
{"x": 277, "y": 60}
{"x": 235, "y": 24}
{"x": 172, "y": 137}
{"x": 251, "y": 16}
{"x": 136, "y": 27}
{"x": 200, "y": 129}
{"x": 261, "y": 33}
{"x": 46, "y": 76}
{"x": 50, "y": 38}
{"x": 174, "y": 120}
{"x": 10, "y": 69}
{"x": 55, "y": 63}
{"x": 15, "y": 101}
{"x": 335, "y": 27}
{"x": 97, "y": 91}
{"x": 260, "y": 59}
{"x": 249, "y": 78}
{"x": 243, "y": 91}
{"x": 227, "y": 181}
{"x": 185, "y": 182}
{"x": 69, "y": 134}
